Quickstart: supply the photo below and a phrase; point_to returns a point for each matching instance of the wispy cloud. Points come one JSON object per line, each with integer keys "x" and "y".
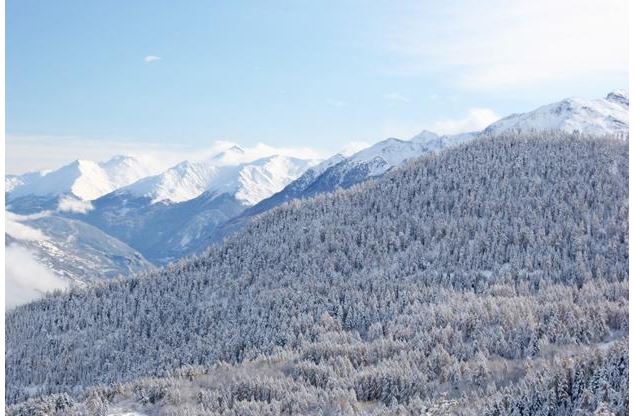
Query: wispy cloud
{"x": 514, "y": 43}
{"x": 263, "y": 150}
{"x": 71, "y": 204}
{"x": 151, "y": 58}
{"x": 476, "y": 119}
{"x": 335, "y": 103}
{"x": 395, "y": 97}
{"x": 353, "y": 147}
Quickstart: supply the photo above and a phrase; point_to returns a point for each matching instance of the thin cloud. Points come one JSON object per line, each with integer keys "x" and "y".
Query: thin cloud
{"x": 151, "y": 58}
{"x": 259, "y": 151}
{"x": 335, "y": 103}
{"x": 477, "y": 119}
{"x": 513, "y": 43}
{"x": 35, "y": 153}
{"x": 353, "y": 147}
{"x": 28, "y": 153}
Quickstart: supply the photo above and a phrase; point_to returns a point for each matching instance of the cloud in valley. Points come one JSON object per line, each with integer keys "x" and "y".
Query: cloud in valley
{"x": 25, "y": 278}
{"x": 19, "y": 231}
{"x": 70, "y": 204}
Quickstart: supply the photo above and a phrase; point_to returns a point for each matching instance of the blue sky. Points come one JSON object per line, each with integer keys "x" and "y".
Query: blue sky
{"x": 298, "y": 74}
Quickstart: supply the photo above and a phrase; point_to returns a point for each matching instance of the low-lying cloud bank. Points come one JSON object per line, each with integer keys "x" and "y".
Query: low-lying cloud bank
{"x": 25, "y": 278}
{"x": 19, "y": 231}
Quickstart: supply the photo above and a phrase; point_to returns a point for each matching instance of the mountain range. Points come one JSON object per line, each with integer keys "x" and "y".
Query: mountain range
{"x": 84, "y": 180}
{"x": 490, "y": 278}
{"x": 164, "y": 216}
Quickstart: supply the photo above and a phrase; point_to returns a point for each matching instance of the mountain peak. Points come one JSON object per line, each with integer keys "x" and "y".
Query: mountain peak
{"x": 77, "y": 167}
{"x": 605, "y": 116}
{"x": 424, "y": 136}
{"x": 231, "y": 156}
{"x": 118, "y": 158}
{"x": 236, "y": 149}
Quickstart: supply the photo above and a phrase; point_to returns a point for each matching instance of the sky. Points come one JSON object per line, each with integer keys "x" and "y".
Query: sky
{"x": 89, "y": 79}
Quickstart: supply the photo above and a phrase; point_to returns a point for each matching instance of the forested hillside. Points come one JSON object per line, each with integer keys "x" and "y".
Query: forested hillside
{"x": 479, "y": 280}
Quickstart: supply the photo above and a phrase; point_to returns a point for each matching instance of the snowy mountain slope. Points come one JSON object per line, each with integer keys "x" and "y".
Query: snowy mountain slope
{"x": 602, "y": 116}
{"x": 296, "y": 188}
{"x": 184, "y": 181}
{"x": 83, "y": 179}
{"x": 378, "y": 159}
{"x": 161, "y": 231}
{"x": 338, "y": 172}
{"x": 73, "y": 250}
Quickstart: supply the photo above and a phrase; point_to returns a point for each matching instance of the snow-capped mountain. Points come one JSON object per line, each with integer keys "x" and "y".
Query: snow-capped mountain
{"x": 162, "y": 216}
{"x": 250, "y": 182}
{"x": 264, "y": 177}
{"x": 83, "y": 179}
{"x": 604, "y": 116}
{"x": 234, "y": 155}
{"x": 74, "y": 251}
{"x": 296, "y": 188}
{"x": 376, "y": 160}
